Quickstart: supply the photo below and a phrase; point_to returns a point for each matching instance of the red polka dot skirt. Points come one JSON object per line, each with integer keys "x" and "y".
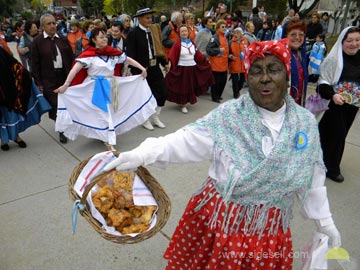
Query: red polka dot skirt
{"x": 197, "y": 245}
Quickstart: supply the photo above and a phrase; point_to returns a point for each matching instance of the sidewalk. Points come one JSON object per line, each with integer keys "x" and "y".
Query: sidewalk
{"x": 35, "y": 209}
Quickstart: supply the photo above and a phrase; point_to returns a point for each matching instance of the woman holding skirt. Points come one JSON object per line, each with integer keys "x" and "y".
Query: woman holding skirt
{"x": 190, "y": 74}
{"x": 99, "y": 104}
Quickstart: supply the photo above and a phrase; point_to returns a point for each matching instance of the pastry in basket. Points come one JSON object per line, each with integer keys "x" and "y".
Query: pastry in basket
{"x": 134, "y": 228}
{"x": 107, "y": 179}
{"x": 124, "y": 181}
{"x": 136, "y": 211}
{"x": 119, "y": 218}
{"x": 122, "y": 199}
{"x": 147, "y": 213}
{"x": 103, "y": 199}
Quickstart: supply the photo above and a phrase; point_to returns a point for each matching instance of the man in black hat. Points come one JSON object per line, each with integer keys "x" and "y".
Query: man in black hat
{"x": 144, "y": 45}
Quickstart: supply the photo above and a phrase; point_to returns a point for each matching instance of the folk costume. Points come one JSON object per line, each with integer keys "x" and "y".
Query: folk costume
{"x": 144, "y": 46}
{"x": 190, "y": 75}
{"x": 21, "y": 103}
{"x": 240, "y": 218}
{"x": 103, "y": 105}
{"x": 336, "y": 71}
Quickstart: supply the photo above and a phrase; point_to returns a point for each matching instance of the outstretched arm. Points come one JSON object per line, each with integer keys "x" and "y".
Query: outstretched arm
{"x": 134, "y": 63}
{"x": 75, "y": 69}
{"x": 184, "y": 145}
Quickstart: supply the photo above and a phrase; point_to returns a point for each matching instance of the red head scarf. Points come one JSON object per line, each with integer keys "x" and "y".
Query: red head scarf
{"x": 279, "y": 48}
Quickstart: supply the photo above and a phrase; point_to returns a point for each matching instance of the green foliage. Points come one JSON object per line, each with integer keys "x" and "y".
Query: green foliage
{"x": 38, "y": 6}
{"x": 92, "y": 6}
{"x": 6, "y": 8}
{"x": 26, "y": 15}
{"x": 274, "y": 8}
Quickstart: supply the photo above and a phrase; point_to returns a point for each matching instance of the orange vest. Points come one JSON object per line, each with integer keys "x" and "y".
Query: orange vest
{"x": 237, "y": 65}
{"x": 73, "y": 37}
{"x": 173, "y": 36}
{"x": 192, "y": 32}
{"x": 220, "y": 62}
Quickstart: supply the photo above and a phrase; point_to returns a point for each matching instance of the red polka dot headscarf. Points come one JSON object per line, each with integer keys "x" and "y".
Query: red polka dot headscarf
{"x": 278, "y": 48}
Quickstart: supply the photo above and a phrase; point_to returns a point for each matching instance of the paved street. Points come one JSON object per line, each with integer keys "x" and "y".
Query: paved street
{"x": 35, "y": 209}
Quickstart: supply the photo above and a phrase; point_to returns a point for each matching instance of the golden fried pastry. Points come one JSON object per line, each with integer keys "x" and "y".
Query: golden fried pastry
{"x": 136, "y": 211}
{"x": 119, "y": 217}
{"x": 135, "y": 228}
{"x": 124, "y": 181}
{"x": 103, "y": 199}
{"x": 147, "y": 213}
{"x": 108, "y": 179}
{"x": 123, "y": 198}
{"x": 119, "y": 200}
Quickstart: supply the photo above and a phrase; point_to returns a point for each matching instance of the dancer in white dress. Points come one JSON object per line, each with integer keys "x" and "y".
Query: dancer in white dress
{"x": 99, "y": 104}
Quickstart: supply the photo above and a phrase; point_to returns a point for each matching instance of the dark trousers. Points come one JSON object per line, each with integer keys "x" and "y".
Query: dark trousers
{"x": 218, "y": 88}
{"x": 237, "y": 80}
{"x": 156, "y": 81}
{"x": 53, "y": 81}
{"x": 333, "y": 128}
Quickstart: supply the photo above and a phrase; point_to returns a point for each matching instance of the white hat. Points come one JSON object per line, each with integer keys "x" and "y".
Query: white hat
{"x": 238, "y": 29}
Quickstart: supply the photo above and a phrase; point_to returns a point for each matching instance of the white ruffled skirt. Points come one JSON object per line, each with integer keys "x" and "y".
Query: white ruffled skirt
{"x": 76, "y": 115}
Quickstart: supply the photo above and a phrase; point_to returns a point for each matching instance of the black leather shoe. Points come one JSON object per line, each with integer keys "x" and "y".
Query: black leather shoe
{"x": 62, "y": 137}
{"x": 21, "y": 144}
{"x": 336, "y": 178}
{"x": 216, "y": 100}
{"x": 5, "y": 147}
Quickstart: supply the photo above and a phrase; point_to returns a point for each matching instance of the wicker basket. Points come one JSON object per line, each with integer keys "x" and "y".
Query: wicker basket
{"x": 162, "y": 199}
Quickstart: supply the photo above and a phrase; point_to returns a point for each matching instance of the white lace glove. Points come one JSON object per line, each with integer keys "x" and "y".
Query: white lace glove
{"x": 127, "y": 161}
{"x": 333, "y": 233}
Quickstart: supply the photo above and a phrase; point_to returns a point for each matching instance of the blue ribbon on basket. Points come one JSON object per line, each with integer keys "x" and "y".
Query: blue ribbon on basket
{"x": 76, "y": 206}
{"x": 101, "y": 95}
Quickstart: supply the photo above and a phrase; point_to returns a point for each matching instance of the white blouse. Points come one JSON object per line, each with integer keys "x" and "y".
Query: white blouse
{"x": 101, "y": 65}
{"x": 191, "y": 144}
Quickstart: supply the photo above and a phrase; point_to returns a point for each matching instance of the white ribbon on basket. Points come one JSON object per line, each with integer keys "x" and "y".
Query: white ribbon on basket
{"x": 141, "y": 194}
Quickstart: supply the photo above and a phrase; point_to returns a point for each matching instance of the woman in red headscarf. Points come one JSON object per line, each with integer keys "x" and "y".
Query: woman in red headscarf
{"x": 264, "y": 151}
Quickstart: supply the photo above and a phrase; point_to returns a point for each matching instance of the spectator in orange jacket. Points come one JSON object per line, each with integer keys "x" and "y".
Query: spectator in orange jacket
{"x": 218, "y": 51}
{"x": 190, "y": 23}
{"x": 76, "y": 34}
{"x": 237, "y": 48}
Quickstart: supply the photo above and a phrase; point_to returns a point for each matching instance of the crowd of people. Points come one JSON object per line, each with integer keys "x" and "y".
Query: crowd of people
{"x": 102, "y": 78}
{"x": 184, "y": 57}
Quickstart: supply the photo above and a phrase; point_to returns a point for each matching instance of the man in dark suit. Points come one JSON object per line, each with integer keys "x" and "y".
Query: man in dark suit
{"x": 143, "y": 47}
{"x": 52, "y": 58}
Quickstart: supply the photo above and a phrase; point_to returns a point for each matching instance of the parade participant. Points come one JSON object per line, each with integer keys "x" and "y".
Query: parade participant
{"x": 190, "y": 23}
{"x": 190, "y": 74}
{"x": 74, "y": 36}
{"x": 317, "y": 55}
{"x": 144, "y": 46}
{"x": 339, "y": 73}
{"x": 51, "y": 60}
{"x": 30, "y": 31}
{"x": 295, "y": 31}
{"x": 85, "y": 108}
{"x": 204, "y": 35}
{"x": 21, "y": 103}
{"x": 263, "y": 151}
{"x": 218, "y": 51}
{"x": 170, "y": 32}
{"x": 237, "y": 47}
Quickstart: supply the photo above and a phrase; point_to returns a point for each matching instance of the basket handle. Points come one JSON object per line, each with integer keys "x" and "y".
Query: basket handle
{"x": 91, "y": 184}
